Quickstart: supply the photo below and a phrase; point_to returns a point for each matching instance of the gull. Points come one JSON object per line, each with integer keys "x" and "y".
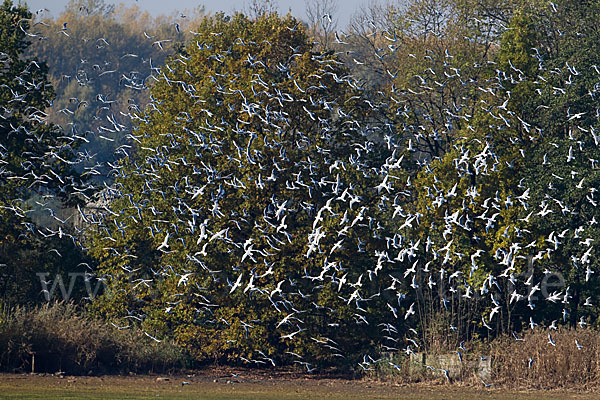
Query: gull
{"x": 282, "y": 225}
{"x": 485, "y": 323}
{"x": 494, "y": 311}
{"x": 395, "y": 366}
{"x": 298, "y": 87}
{"x": 237, "y": 284}
{"x": 269, "y": 270}
{"x": 336, "y": 246}
{"x": 152, "y": 337}
{"x": 570, "y": 155}
{"x": 285, "y": 320}
{"x": 310, "y": 114}
{"x": 184, "y": 278}
{"x": 342, "y": 281}
{"x": 164, "y": 243}
{"x": 64, "y": 29}
{"x": 414, "y": 284}
{"x": 393, "y": 310}
{"x": 588, "y": 273}
{"x": 576, "y": 116}
{"x": 250, "y": 285}
{"x": 293, "y": 28}
{"x": 102, "y": 40}
{"x": 277, "y": 288}
{"x": 503, "y": 106}
{"x": 532, "y": 324}
{"x": 487, "y": 385}
{"x": 452, "y": 192}
{"x": 160, "y": 42}
{"x": 120, "y": 327}
{"x": 291, "y": 335}
{"x": 467, "y": 293}
{"x": 446, "y": 374}
{"x": 554, "y": 297}
{"x": 391, "y": 39}
{"x": 248, "y": 253}
{"x": 56, "y": 251}
{"x": 338, "y": 40}
{"x": 518, "y": 339}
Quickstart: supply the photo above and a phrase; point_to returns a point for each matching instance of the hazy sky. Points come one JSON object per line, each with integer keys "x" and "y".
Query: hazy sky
{"x": 345, "y": 7}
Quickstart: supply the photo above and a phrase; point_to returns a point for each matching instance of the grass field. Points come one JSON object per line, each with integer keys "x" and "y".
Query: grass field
{"x": 223, "y": 387}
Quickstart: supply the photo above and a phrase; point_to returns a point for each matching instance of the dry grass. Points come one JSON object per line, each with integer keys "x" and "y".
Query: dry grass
{"x": 61, "y": 338}
{"x": 562, "y": 365}
{"x": 58, "y": 337}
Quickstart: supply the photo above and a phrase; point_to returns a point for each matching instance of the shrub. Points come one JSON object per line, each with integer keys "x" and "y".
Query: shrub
{"x": 61, "y": 338}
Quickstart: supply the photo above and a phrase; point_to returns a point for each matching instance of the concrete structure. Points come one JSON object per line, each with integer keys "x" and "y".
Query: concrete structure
{"x": 470, "y": 364}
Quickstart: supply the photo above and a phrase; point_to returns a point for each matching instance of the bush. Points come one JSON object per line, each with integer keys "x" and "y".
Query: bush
{"x": 61, "y": 338}
{"x": 562, "y": 365}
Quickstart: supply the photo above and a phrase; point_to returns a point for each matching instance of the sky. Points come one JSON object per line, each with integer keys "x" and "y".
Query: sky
{"x": 346, "y": 8}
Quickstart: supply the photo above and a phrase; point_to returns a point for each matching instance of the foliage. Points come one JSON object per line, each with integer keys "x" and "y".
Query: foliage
{"x": 491, "y": 204}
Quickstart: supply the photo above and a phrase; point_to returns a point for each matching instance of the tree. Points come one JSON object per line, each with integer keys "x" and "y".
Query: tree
{"x": 565, "y": 114}
{"x": 91, "y": 7}
{"x": 24, "y": 93}
{"x": 253, "y": 180}
{"x": 106, "y": 76}
{"x": 259, "y": 8}
{"x": 511, "y": 205}
{"x": 37, "y": 159}
{"x": 322, "y": 21}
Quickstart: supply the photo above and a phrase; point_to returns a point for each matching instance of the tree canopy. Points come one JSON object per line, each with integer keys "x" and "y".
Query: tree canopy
{"x": 250, "y": 146}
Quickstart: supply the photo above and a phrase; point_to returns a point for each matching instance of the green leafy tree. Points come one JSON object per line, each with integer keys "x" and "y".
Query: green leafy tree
{"x": 246, "y": 220}
{"x": 567, "y": 118}
{"x": 37, "y": 159}
{"x": 511, "y": 206}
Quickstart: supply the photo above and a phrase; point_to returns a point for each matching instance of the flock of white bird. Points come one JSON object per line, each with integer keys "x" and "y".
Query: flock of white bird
{"x": 402, "y": 271}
